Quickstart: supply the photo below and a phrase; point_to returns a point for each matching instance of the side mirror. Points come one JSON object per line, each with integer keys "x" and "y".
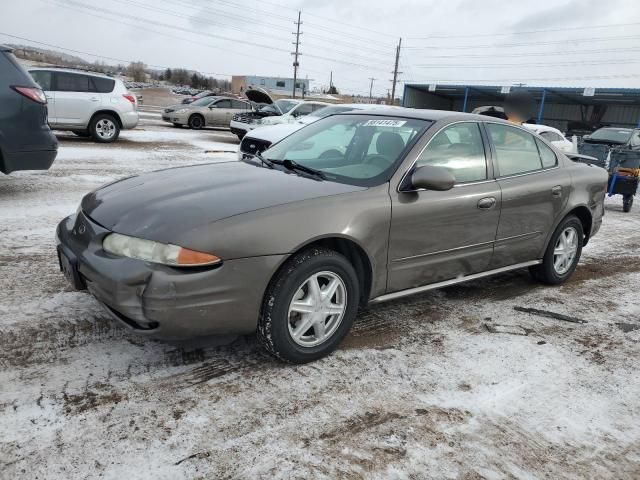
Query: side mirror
{"x": 432, "y": 178}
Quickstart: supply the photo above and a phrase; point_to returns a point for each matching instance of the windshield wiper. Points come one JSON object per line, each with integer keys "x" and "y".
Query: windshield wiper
{"x": 291, "y": 165}
{"x": 264, "y": 161}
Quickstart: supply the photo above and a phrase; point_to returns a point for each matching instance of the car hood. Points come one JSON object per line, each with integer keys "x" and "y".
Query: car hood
{"x": 258, "y": 95}
{"x": 274, "y": 133}
{"x": 168, "y": 203}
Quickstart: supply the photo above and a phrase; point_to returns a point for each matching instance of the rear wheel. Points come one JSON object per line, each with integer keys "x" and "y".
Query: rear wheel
{"x": 196, "y": 122}
{"x": 563, "y": 253}
{"x": 309, "y": 306}
{"x": 104, "y": 128}
{"x": 627, "y": 203}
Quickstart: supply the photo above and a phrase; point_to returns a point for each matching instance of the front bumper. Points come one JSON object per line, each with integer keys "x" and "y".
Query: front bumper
{"x": 237, "y": 126}
{"x": 165, "y": 302}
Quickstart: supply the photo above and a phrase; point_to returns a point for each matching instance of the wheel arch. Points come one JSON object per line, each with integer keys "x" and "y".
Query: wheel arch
{"x": 113, "y": 113}
{"x": 354, "y": 253}
{"x": 583, "y": 214}
{"x": 197, "y": 114}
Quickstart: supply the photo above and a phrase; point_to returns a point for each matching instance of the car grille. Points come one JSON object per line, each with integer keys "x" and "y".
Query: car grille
{"x": 251, "y": 146}
{"x": 244, "y": 118}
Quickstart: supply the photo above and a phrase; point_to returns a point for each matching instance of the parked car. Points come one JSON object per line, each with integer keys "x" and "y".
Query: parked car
{"x": 193, "y": 98}
{"x": 553, "y": 136}
{"x": 261, "y": 138}
{"x": 615, "y": 137}
{"x": 206, "y": 112}
{"x": 26, "y": 141}
{"x": 292, "y": 242}
{"x": 89, "y": 104}
{"x": 284, "y": 110}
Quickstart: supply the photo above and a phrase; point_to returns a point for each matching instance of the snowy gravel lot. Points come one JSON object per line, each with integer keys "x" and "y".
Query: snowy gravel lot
{"x": 447, "y": 384}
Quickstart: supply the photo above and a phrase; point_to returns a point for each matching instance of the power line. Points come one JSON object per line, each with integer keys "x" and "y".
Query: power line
{"x": 537, "y": 54}
{"x": 529, "y": 32}
{"x": 527, "y": 65}
{"x": 526, "y": 44}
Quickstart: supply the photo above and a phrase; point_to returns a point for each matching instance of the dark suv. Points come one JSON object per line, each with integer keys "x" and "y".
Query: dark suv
{"x": 26, "y": 142}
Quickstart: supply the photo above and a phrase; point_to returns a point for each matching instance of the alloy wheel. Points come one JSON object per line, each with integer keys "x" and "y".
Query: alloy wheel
{"x": 317, "y": 309}
{"x": 565, "y": 250}
{"x": 105, "y": 128}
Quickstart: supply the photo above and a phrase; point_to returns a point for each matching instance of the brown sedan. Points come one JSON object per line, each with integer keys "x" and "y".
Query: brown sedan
{"x": 355, "y": 208}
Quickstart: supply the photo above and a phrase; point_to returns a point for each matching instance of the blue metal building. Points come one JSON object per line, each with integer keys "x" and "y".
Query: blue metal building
{"x": 560, "y": 107}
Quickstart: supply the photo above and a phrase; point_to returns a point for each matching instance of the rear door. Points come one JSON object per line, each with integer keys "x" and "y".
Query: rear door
{"x": 44, "y": 78}
{"x": 437, "y": 236}
{"x": 534, "y": 192}
{"x": 74, "y": 100}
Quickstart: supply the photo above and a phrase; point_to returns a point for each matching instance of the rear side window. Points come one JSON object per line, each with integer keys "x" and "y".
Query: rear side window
{"x": 101, "y": 85}
{"x": 71, "y": 82}
{"x": 42, "y": 78}
{"x": 237, "y": 104}
{"x": 459, "y": 149}
{"x": 223, "y": 104}
{"x": 516, "y": 150}
{"x": 547, "y": 156}
{"x": 550, "y": 136}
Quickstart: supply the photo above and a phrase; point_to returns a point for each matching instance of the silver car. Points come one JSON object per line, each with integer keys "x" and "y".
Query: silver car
{"x": 206, "y": 112}
{"x": 89, "y": 104}
{"x": 355, "y": 208}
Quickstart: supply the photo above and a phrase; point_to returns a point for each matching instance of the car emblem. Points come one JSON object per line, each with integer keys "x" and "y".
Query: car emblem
{"x": 82, "y": 229}
{"x": 252, "y": 146}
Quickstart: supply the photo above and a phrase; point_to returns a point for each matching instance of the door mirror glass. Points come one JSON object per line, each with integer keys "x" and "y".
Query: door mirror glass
{"x": 432, "y": 178}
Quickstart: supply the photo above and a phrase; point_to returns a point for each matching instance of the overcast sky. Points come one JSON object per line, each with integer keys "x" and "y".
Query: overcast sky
{"x": 453, "y": 41}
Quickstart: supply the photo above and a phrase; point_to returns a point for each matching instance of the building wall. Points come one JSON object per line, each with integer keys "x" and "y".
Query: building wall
{"x": 280, "y": 84}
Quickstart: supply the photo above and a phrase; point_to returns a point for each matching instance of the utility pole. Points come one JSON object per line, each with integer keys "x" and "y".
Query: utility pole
{"x": 396, "y": 72}
{"x": 371, "y": 89}
{"x": 331, "y": 82}
{"x": 295, "y": 54}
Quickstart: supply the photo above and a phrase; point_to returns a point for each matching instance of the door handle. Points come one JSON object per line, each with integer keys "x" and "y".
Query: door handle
{"x": 486, "y": 203}
{"x": 556, "y": 191}
{"x": 94, "y": 99}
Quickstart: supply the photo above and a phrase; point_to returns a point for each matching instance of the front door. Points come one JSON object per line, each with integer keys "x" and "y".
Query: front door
{"x": 534, "y": 193}
{"x": 74, "y": 102}
{"x": 437, "y": 236}
{"x": 221, "y": 113}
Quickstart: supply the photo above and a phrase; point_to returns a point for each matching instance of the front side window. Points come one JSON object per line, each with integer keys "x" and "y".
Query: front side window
{"x": 42, "y": 78}
{"x": 71, "y": 82}
{"x": 459, "y": 149}
{"x": 239, "y": 105}
{"x": 516, "y": 150}
{"x": 355, "y": 149}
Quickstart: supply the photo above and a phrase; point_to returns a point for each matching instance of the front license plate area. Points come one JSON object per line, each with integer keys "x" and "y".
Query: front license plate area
{"x": 69, "y": 268}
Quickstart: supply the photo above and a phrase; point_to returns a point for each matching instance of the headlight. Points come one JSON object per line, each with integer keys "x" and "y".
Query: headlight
{"x": 150, "y": 251}
{"x": 182, "y": 110}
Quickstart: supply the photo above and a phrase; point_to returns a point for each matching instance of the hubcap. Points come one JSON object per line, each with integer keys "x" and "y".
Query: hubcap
{"x": 317, "y": 309}
{"x": 105, "y": 128}
{"x": 565, "y": 250}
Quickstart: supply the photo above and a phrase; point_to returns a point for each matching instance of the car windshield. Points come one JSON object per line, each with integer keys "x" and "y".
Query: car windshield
{"x": 359, "y": 150}
{"x": 203, "y": 102}
{"x": 613, "y": 135}
{"x": 331, "y": 110}
{"x": 285, "y": 105}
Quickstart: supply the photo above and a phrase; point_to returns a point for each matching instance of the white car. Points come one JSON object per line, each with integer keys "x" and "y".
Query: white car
{"x": 261, "y": 138}
{"x": 88, "y": 104}
{"x": 285, "y": 110}
{"x": 553, "y": 136}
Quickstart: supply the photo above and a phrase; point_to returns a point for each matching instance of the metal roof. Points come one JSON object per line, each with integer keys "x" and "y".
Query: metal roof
{"x": 575, "y": 95}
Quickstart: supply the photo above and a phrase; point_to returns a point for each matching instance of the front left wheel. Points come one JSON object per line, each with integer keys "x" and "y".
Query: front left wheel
{"x": 309, "y": 306}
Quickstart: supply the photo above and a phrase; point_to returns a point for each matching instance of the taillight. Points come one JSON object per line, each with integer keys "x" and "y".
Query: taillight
{"x": 35, "y": 94}
{"x": 131, "y": 98}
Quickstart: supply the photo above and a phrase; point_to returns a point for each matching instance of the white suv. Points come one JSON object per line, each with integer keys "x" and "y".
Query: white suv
{"x": 88, "y": 104}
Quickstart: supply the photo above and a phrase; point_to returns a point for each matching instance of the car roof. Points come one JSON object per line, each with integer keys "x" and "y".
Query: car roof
{"x": 424, "y": 114}
{"x": 71, "y": 70}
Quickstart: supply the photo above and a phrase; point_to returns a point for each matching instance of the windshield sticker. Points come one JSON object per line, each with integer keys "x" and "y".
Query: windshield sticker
{"x": 385, "y": 123}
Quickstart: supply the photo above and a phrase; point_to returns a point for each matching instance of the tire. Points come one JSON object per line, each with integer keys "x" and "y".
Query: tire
{"x": 548, "y": 271}
{"x": 81, "y": 133}
{"x": 104, "y": 128}
{"x": 627, "y": 203}
{"x": 240, "y": 136}
{"x": 196, "y": 122}
{"x": 277, "y": 323}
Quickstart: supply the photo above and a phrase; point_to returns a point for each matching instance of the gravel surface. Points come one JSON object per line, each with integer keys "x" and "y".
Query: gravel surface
{"x": 448, "y": 384}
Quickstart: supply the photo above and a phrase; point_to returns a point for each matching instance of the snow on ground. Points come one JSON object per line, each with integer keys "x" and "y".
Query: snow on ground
{"x": 447, "y": 384}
